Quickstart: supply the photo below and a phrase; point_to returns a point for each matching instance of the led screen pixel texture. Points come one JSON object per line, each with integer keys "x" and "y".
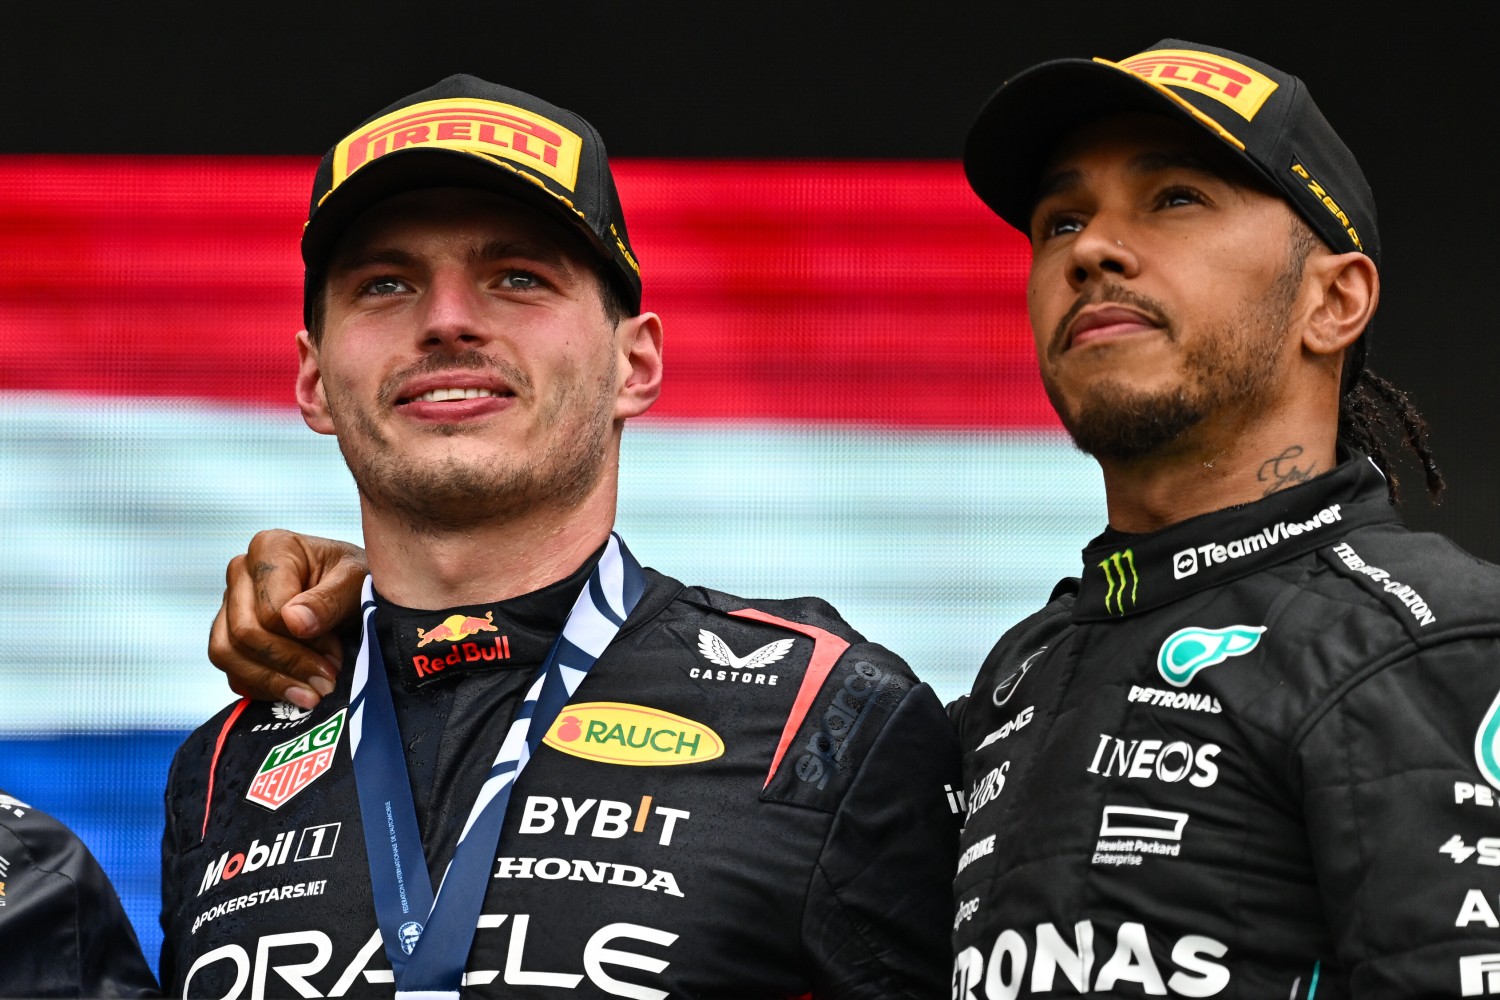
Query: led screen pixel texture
{"x": 851, "y": 410}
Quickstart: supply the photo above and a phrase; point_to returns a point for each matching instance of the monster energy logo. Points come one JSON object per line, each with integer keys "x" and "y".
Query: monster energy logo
{"x": 1122, "y": 580}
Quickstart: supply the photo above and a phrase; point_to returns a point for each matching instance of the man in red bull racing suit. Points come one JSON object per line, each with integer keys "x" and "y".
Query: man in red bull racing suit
{"x": 1255, "y": 750}
{"x": 543, "y": 770}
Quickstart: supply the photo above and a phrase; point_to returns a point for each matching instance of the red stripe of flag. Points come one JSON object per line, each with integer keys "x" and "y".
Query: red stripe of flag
{"x": 870, "y": 292}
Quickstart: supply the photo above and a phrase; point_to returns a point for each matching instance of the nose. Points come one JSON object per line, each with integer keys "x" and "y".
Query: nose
{"x": 451, "y": 317}
{"x": 1099, "y": 251}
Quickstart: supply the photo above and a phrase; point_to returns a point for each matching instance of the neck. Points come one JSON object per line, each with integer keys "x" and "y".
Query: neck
{"x": 1216, "y": 468}
{"x": 495, "y": 561}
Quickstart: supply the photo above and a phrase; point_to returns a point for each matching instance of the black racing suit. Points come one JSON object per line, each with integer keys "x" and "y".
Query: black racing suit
{"x": 1251, "y": 755}
{"x": 63, "y": 932}
{"x": 811, "y": 857}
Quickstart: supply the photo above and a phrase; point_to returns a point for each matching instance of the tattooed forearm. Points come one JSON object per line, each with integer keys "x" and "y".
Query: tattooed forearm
{"x": 1283, "y": 471}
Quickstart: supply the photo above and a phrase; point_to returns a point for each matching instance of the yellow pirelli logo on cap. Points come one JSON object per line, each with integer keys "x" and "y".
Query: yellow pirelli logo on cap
{"x": 1234, "y": 85}
{"x": 484, "y": 128}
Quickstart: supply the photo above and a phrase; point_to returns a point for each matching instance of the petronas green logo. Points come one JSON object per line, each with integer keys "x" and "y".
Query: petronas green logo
{"x": 1487, "y": 744}
{"x": 1122, "y": 584}
{"x": 1189, "y": 650}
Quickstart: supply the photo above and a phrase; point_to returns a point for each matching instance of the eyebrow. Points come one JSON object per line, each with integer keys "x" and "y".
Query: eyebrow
{"x": 494, "y": 250}
{"x": 1143, "y": 163}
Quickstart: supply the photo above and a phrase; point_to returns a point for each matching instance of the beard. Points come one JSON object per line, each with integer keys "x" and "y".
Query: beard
{"x": 1233, "y": 368}
{"x": 449, "y": 491}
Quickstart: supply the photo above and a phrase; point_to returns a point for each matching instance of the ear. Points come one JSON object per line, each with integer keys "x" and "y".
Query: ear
{"x": 310, "y": 398}
{"x": 1347, "y": 290}
{"x": 639, "y": 339}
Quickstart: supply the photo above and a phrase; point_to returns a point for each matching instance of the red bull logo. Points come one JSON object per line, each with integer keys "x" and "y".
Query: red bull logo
{"x": 291, "y": 766}
{"x": 456, "y": 627}
{"x": 483, "y": 128}
{"x": 1234, "y": 85}
{"x": 466, "y": 652}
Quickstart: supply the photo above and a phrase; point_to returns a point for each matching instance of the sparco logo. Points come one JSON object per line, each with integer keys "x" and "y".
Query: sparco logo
{"x": 841, "y": 722}
{"x": 1121, "y": 582}
{"x": 315, "y": 842}
{"x": 1186, "y": 562}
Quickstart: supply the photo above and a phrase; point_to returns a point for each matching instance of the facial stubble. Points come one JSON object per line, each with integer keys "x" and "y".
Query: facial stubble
{"x": 1231, "y": 368}
{"x": 451, "y": 492}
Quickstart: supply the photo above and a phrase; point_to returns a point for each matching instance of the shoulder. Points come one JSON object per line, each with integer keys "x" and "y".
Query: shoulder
{"x": 1424, "y": 582}
{"x": 805, "y": 615}
{"x": 56, "y": 898}
{"x": 1012, "y": 657}
{"x": 841, "y": 695}
{"x": 44, "y": 842}
{"x": 1376, "y": 596}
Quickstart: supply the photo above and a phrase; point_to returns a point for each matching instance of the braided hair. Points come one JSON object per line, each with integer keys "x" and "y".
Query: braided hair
{"x": 1373, "y": 412}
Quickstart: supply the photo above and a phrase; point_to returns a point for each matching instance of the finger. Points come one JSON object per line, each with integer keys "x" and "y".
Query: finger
{"x": 333, "y": 599}
{"x": 254, "y": 629}
{"x": 336, "y": 571}
{"x": 250, "y": 678}
{"x": 274, "y": 569}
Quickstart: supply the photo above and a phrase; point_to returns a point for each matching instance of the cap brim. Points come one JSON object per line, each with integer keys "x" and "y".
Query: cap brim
{"x": 413, "y": 169}
{"x": 1021, "y": 126}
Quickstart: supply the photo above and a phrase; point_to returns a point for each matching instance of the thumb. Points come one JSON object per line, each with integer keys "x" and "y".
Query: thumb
{"x": 327, "y": 604}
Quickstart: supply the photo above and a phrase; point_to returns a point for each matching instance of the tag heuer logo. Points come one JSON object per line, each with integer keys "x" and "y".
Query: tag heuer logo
{"x": 1190, "y": 650}
{"x": 295, "y": 764}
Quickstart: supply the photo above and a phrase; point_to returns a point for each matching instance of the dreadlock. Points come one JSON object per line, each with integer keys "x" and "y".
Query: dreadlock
{"x": 1372, "y": 411}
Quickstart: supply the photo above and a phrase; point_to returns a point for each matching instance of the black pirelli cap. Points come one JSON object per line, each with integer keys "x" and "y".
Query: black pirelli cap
{"x": 1265, "y": 117}
{"x": 468, "y": 132}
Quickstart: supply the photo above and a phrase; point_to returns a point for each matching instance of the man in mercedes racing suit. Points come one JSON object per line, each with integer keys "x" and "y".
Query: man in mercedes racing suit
{"x": 1254, "y": 751}
{"x": 542, "y": 771}
{"x": 64, "y": 931}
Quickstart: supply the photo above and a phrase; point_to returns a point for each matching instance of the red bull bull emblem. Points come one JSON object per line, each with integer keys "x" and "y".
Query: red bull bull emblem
{"x": 297, "y": 763}
{"x": 456, "y": 627}
{"x": 453, "y": 629}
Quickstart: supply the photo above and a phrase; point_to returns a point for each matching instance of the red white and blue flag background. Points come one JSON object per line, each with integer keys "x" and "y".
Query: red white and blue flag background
{"x": 851, "y": 410}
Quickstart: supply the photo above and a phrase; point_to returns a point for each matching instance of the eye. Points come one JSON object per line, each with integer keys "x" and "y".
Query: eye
{"x": 384, "y": 285}
{"x": 1178, "y": 195}
{"x": 1054, "y": 224}
{"x": 522, "y": 281}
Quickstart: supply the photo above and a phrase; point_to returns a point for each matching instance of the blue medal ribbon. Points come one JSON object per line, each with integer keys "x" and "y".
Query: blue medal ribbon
{"x": 427, "y": 936}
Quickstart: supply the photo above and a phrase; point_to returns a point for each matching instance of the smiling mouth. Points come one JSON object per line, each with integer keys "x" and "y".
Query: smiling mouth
{"x": 446, "y": 395}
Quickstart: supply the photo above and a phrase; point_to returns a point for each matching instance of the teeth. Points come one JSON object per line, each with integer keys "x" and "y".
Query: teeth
{"x": 444, "y": 395}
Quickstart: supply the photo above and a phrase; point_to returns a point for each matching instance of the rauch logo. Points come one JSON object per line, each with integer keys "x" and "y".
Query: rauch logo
{"x": 617, "y": 733}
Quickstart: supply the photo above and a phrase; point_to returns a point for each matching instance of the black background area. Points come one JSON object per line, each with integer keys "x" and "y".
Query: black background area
{"x": 1411, "y": 89}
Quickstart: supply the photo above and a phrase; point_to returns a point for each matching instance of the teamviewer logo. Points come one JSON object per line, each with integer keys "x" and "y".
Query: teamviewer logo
{"x": 1184, "y": 563}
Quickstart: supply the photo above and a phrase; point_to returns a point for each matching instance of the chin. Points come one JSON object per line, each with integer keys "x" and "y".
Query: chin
{"x": 1117, "y": 422}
